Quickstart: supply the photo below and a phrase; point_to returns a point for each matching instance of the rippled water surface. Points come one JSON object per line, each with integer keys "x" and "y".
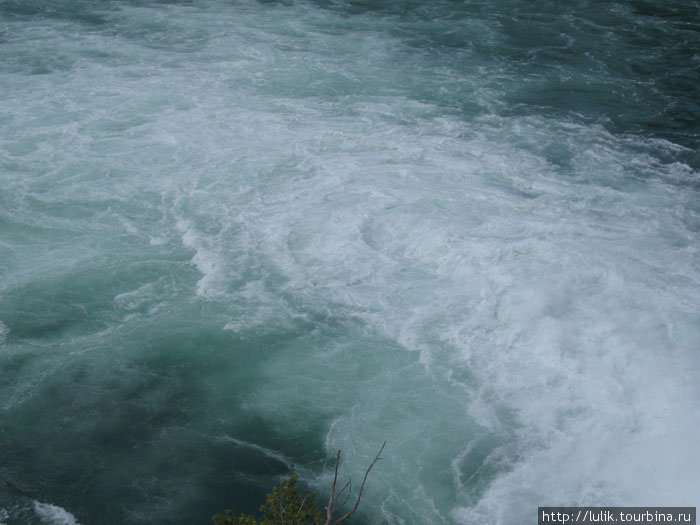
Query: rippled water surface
{"x": 236, "y": 236}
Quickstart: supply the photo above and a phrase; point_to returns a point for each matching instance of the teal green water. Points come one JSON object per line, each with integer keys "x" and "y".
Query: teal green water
{"x": 236, "y": 236}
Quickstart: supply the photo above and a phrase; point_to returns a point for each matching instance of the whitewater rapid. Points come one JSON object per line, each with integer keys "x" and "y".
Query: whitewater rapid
{"x": 237, "y": 236}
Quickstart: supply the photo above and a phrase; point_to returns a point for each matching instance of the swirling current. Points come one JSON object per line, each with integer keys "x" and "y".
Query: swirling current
{"x": 238, "y": 235}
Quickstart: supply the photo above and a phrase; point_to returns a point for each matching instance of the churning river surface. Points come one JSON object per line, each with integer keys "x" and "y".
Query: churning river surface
{"x": 238, "y": 235}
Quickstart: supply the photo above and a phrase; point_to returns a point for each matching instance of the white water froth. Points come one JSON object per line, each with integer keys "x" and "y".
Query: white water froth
{"x": 550, "y": 305}
{"x": 4, "y": 330}
{"x": 257, "y": 448}
{"x": 54, "y": 515}
{"x": 562, "y": 306}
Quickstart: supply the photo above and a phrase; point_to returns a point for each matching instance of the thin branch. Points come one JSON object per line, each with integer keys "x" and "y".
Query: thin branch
{"x": 348, "y": 484}
{"x": 362, "y": 487}
{"x": 301, "y": 507}
{"x": 331, "y": 500}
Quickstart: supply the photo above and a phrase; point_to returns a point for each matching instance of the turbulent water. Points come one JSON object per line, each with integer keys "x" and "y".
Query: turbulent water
{"x": 236, "y": 236}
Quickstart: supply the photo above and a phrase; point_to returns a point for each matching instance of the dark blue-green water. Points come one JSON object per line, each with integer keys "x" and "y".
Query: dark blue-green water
{"x": 236, "y": 236}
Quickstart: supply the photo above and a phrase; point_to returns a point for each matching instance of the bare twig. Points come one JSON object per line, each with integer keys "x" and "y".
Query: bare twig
{"x": 331, "y": 501}
{"x": 347, "y": 485}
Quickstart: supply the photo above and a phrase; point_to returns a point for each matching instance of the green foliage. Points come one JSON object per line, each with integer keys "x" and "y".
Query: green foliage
{"x": 229, "y": 518}
{"x": 283, "y": 506}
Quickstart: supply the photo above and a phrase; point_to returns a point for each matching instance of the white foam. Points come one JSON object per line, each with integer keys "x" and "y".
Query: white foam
{"x": 53, "y": 514}
{"x": 551, "y": 309}
{"x": 532, "y": 306}
{"x": 205, "y": 259}
{"x": 135, "y": 298}
{"x": 267, "y": 452}
{"x": 4, "y": 330}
